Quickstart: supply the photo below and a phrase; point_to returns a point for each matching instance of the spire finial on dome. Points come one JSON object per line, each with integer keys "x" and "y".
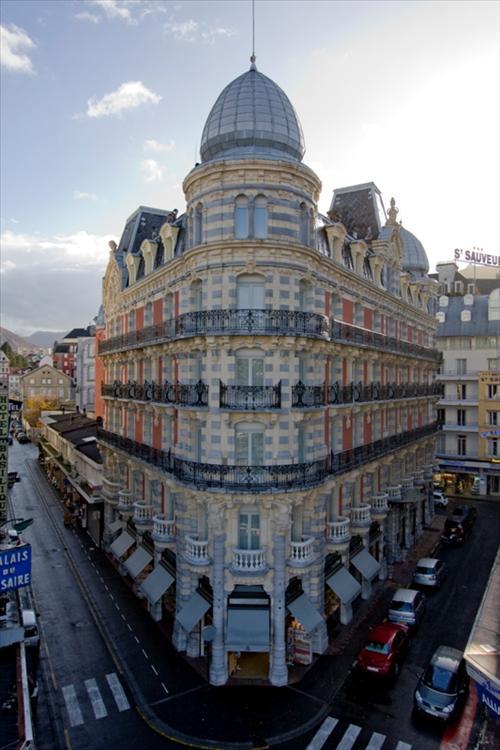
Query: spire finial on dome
{"x": 252, "y": 57}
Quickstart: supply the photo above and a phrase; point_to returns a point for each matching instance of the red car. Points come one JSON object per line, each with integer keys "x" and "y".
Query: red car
{"x": 384, "y": 650}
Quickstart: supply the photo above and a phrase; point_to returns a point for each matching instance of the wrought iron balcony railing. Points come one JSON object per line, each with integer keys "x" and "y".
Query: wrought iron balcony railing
{"x": 208, "y": 322}
{"x": 262, "y": 478}
{"x": 355, "y": 334}
{"x": 250, "y": 397}
{"x": 181, "y": 394}
{"x": 337, "y": 394}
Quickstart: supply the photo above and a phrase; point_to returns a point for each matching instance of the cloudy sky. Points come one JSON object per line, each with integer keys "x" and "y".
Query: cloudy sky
{"x": 104, "y": 102}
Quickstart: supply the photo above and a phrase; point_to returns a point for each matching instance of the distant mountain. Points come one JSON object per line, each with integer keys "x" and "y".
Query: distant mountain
{"x": 46, "y": 338}
{"x": 18, "y": 343}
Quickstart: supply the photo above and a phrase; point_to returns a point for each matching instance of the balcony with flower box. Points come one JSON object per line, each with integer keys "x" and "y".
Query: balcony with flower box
{"x": 163, "y": 529}
{"x": 249, "y": 561}
{"x": 196, "y": 551}
{"x": 339, "y": 531}
{"x": 302, "y": 553}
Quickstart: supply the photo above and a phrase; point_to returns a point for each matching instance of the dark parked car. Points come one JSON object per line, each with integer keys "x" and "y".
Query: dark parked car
{"x": 384, "y": 650}
{"x": 458, "y": 526}
{"x": 442, "y": 689}
{"x": 22, "y": 437}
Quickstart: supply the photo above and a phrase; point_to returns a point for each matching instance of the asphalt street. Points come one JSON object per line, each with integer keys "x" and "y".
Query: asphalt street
{"x": 109, "y": 678}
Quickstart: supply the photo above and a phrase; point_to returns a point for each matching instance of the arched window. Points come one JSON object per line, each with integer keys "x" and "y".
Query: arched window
{"x": 141, "y": 268}
{"x": 241, "y": 217}
{"x": 304, "y": 224}
{"x": 260, "y": 217}
{"x": 198, "y": 220}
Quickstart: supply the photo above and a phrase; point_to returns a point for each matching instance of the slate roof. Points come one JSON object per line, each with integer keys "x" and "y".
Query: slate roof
{"x": 252, "y": 117}
{"x": 358, "y": 207}
{"x": 144, "y": 224}
{"x": 77, "y": 333}
{"x": 479, "y": 325}
{"x": 76, "y": 428}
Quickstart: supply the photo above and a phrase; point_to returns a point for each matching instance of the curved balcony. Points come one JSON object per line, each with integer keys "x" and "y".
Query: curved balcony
{"x": 226, "y": 322}
{"x": 196, "y": 551}
{"x": 125, "y": 501}
{"x": 418, "y": 478}
{"x": 407, "y": 484}
{"x": 378, "y": 502}
{"x": 394, "y": 494}
{"x": 143, "y": 514}
{"x": 304, "y": 396}
{"x": 179, "y": 394}
{"x": 249, "y": 560}
{"x": 339, "y": 530}
{"x": 361, "y": 516}
{"x": 428, "y": 472}
{"x": 163, "y": 528}
{"x": 262, "y": 478}
{"x": 250, "y": 397}
{"x": 351, "y": 334}
{"x": 302, "y": 553}
{"x": 110, "y": 491}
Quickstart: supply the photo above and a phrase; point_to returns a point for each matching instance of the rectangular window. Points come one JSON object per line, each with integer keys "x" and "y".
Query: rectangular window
{"x": 462, "y": 445}
{"x": 461, "y": 391}
{"x": 493, "y": 364}
{"x": 250, "y": 370}
{"x": 250, "y": 295}
{"x": 249, "y": 448}
{"x": 461, "y": 416}
{"x": 493, "y": 417}
{"x": 249, "y": 531}
{"x": 461, "y": 366}
{"x": 492, "y": 390}
{"x": 493, "y": 447}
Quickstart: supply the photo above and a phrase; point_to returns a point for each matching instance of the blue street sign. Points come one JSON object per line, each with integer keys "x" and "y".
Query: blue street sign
{"x": 15, "y": 567}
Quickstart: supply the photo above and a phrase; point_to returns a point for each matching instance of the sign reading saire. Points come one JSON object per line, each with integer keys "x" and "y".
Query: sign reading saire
{"x": 477, "y": 256}
{"x": 15, "y": 568}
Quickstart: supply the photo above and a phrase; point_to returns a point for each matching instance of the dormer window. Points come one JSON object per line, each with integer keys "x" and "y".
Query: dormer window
{"x": 241, "y": 217}
{"x": 260, "y": 217}
{"x": 367, "y": 270}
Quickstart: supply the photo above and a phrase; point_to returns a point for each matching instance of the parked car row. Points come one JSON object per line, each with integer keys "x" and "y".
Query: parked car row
{"x": 442, "y": 687}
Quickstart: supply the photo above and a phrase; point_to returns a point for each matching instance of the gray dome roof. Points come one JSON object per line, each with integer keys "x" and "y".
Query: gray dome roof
{"x": 414, "y": 256}
{"x": 252, "y": 117}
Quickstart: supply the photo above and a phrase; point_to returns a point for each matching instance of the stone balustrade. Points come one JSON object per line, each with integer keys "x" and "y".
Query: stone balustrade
{"x": 143, "y": 513}
{"x": 339, "y": 530}
{"x": 418, "y": 478}
{"x": 394, "y": 493}
{"x": 163, "y": 528}
{"x": 378, "y": 502}
{"x": 302, "y": 553}
{"x": 428, "y": 472}
{"x": 110, "y": 491}
{"x": 196, "y": 551}
{"x": 407, "y": 483}
{"x": 249, "y": 560}
{"x": 125, "y": 501}
{"x": 360, "y": 515}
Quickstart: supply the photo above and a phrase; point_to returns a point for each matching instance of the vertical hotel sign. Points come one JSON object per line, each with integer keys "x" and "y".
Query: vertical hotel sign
{"x": 4, "y": 426}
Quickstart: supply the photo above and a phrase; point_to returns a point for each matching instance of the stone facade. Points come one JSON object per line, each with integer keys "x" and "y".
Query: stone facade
{"x": 269, "y": 405}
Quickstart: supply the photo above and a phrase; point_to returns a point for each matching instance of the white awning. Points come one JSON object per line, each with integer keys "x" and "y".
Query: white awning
{"x": 192, "y": 612}
{"x": 137, "y": 561}
{"x": 344, "y": 585}
{"x": 156, "y": 583}
{"x": 121, "y": 544}
{"x": 306, "y": 613}
{"x": 366, "y": 564}
{"x": 115, "y": 526}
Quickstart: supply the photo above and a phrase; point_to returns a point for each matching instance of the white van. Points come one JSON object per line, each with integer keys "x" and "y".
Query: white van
{"x": 31, "y": 636}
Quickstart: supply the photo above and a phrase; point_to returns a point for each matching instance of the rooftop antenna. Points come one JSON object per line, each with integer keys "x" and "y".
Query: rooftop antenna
{"x": 253, "y": 58}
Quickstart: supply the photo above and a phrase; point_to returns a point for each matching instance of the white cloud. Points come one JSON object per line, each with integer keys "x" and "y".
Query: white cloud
{"x": 13, "y": 45}
{"x": 152, "y": 145}
{"x": 76, "y": 250}
{"x": 151, "y": 170}
{"x": 78, "y": 195}
{"x": 191, "y": 31}
{"x": 85, "y": 16}
{"x": 114, "y": 9}
{"x": 7, "y": 265}
{"x": 127, "y": 96}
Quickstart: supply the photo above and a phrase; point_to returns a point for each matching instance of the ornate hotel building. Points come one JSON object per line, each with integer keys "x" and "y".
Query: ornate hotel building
{"x": 269, "y": 425}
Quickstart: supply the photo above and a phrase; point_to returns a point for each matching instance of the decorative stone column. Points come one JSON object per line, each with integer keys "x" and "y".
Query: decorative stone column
{"x": 278, "y": 671}
{"x": 182, "y": 594}
{"x": 218, "y": 663}
{"x": 155, "y": 610}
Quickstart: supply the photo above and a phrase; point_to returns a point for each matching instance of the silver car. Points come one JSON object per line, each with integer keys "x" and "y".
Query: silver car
{"x": 429, "y": 572}
{"x": 407, "y": 607}
{"x": 442, "y": 689}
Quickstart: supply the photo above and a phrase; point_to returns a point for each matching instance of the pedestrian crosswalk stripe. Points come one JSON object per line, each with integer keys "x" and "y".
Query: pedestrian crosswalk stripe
{"x": 349, "y": 737}
{"x": 118, "y": 692}
{"x": 96, "y": 700}
{"x": 403, "y": 746}
{"x": 376, "y": 741}
{"x": 72, "y": 706}
{"x": 323, "y": 733}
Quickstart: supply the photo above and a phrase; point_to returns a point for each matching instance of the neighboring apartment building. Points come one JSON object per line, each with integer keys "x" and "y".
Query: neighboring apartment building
{"x": 47, "y": 383}
{"x": 65, "y": 351}
{"x": 269, "y": 396}
{"x": 85, "y": 374}
{"x": 469, "y": 336}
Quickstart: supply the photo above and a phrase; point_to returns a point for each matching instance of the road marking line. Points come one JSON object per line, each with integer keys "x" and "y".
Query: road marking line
{"x": 136, "y": 639}
{"x": 145, "y": 654}
{"x": 112, "y": 597}
{"x": 124, "y": 618}
{"x": 154, "y": 670}
{"x": 117, "y": 606}
{"x": 403, "y": 746}
{"x": 349, "y": 738}
{"x": 96, "y": 700}
{"x": 322, "y": 734}
{"x": 118, "y": 692}
{"x": 93, "y": 565}
{"x": 129, "y": 627}
{"x": 101, "y": 579}
{"x": 72, "y": 705}
{"x": 376, "y": 741}
{"x": 105, "y": 586}
{"x": 163, "y": 686}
